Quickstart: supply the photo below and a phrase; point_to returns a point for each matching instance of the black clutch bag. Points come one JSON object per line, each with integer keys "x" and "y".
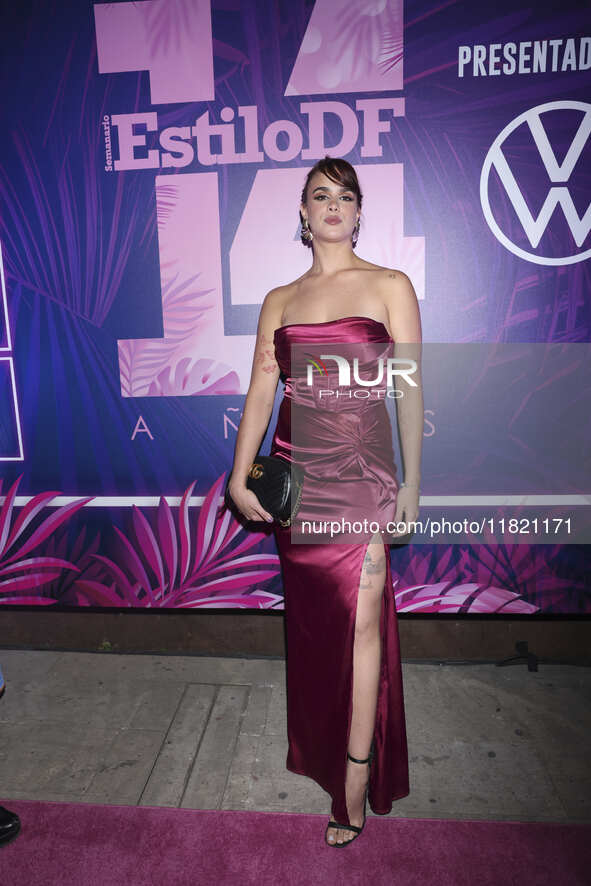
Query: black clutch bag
{"x": 277, "y": 484}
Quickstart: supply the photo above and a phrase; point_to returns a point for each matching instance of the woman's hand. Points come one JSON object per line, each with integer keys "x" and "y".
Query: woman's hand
{"x": 247, "y": 503}
{"x": 407, "y": 506}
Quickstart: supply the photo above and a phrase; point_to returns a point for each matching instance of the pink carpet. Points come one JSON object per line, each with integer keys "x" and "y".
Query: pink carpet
{"x": 82, "y": 844}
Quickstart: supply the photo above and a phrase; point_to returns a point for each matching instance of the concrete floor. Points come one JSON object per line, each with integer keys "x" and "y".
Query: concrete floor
{"x": 204, "y": 733}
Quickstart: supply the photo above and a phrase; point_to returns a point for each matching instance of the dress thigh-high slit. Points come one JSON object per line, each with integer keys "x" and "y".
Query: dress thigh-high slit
{"x": 366, "y": 590}
{"x": 320, "y": 650}
{"x": 353, "y": 462}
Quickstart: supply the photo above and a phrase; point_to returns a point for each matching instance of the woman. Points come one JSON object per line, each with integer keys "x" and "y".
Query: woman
{"x": 345, "y": 708}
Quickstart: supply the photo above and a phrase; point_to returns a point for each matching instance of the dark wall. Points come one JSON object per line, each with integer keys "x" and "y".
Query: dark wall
{"x": 490, "y": 638}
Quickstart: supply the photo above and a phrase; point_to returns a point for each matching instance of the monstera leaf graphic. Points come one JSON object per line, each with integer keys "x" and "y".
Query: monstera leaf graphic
{"x": 187, "y": 565}
{"x": 23, "y": 578}
{"x": 202, "y": 377}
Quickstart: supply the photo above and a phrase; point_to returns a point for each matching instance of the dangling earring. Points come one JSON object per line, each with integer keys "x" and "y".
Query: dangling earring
{"x": 307, "y": 234}
{"x": 355, "y": 234}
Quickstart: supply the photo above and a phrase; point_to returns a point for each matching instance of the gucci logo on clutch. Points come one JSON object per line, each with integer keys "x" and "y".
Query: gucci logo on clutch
{"x": 255, "y": 471}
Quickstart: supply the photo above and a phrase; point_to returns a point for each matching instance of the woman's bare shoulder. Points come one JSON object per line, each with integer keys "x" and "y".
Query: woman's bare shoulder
{"x": 381, "y": 273}
{"x": 276, "y": 300}
{"x": 379, "y": 276}
{"x": 285, "y": 291}
{"x": 395, "y": 278}
{"x": 386, "y": 280}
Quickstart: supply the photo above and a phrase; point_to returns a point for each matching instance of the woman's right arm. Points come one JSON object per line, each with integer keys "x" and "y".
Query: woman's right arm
{"x": 258, "y": 407}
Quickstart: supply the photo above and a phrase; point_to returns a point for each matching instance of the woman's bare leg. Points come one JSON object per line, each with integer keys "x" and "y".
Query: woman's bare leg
{"x": 366, "y": 670}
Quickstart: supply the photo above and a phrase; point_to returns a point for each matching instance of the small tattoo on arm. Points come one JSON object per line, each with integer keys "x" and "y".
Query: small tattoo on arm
{"x": 265, "y": 358}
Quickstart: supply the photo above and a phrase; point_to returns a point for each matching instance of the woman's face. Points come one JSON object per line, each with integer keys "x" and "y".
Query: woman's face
{"x": 331, "y": 210}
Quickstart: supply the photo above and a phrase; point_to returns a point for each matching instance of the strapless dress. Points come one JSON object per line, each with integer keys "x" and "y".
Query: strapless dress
{"x": 344, "y": 444}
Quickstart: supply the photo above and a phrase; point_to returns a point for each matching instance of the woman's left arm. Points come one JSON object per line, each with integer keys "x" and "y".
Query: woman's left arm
{"x": 405, "y": 325}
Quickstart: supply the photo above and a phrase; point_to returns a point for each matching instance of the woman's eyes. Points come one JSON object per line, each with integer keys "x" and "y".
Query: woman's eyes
{"x": 322, "y": 196}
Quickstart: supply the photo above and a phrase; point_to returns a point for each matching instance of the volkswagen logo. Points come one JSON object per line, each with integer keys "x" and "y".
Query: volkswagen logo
{"x": 552, "y": 190}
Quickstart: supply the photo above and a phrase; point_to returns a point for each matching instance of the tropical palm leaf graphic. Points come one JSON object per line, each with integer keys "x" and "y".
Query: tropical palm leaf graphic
{"x": 23, "y": 579}
{"x": 183, "y": 565}
{"x": 362, "y": 36}
{"x": 166, "y": 23}
{"x": 166, "y": 199}
{"x": 63, "y": 589}
{"x": 449, "y": 597}
{"x": 142, "y": 360}
{"x": 205, "y": 562}
{"x": 62, "y": 253}
{"x": 391, "y": 53}
{"x": 512, "y": 578}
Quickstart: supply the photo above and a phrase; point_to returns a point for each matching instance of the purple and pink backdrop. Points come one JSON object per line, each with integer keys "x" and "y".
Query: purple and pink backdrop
{"x": 151, "y": 163}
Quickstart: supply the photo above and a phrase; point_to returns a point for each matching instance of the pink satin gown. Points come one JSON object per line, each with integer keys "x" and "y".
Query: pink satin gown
{"x": 345, "y": 447}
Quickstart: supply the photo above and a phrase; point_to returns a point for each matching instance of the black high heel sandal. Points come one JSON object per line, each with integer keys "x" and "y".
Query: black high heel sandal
{"x": 352, "y": 827}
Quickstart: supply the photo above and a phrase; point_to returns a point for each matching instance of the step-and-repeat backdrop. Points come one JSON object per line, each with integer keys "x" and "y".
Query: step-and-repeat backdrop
{"x": 152, "y": 155}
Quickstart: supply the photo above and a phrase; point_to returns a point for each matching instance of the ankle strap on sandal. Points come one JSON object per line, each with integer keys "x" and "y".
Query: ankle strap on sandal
{"x": 355, "y": 760}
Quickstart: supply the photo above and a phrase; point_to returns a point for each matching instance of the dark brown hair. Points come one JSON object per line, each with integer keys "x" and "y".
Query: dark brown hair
{"x": 337, "y": 170}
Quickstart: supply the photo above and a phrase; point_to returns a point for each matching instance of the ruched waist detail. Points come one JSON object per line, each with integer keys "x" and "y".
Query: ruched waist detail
{"x": 328, "y": 396}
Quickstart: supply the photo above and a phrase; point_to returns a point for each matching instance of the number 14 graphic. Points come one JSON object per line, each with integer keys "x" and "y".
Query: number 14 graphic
{"x": 195, "y": 356}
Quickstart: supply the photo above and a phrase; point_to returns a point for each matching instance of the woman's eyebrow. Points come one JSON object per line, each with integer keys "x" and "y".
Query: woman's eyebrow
{"x": 324, "y": 188}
